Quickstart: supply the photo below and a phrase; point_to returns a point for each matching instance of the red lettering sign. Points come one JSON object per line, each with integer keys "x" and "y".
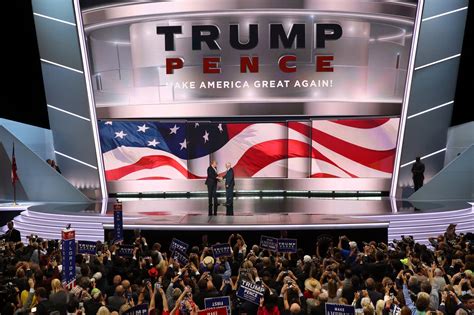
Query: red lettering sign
{"x": 214, "y": 311}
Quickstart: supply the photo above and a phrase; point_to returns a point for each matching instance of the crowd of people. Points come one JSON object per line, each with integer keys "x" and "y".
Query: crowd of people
{"x": 403, "y": 277}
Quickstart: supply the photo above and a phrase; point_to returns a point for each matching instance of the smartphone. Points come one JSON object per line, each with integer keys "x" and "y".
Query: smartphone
{"x": 33, "y": 310}
{"x": 158, "y": 285}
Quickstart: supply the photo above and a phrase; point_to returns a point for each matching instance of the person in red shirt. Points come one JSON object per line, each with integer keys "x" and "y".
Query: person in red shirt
{"x": 268, "y": 304}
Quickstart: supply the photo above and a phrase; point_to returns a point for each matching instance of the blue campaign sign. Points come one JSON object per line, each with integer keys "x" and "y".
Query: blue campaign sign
{"x": 68, "y": 238}
{"x": 141, "y": 309}
{"x": 86, "y": 247}
{"x": 118, "y": 225}
{"x": 287, "y": 245}
{"x": 251, "y": 292}
{"x": 221, "y": 250}
{"x": 125, "y": 251}
{"x": 269, "y": 243}
{"x": 339, "y": 309}
{"x": 218, "y": 302}
{"x": 181, "y": 257}
{"x": 178, "y": 245}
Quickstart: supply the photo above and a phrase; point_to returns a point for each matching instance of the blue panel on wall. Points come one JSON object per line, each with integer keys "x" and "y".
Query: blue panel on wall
{"x": 426, "y": 134}
{"x": 57, "y": 9}
{"x": 440, "y": 38}
{"x": 433, "y": 86}
{"x": 435, "y": 7}
{"x": 65, "y": 89}
{"x": 73, "y": 136}
{"x": 58, "y": 42}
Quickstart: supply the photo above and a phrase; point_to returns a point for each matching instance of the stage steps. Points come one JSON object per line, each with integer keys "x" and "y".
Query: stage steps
{"x": 424, "y": 225}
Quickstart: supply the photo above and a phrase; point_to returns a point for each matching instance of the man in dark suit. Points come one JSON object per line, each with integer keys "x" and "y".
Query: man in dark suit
{"x": 229, "y": 189}
{"x": 12, "y": 235}
{"x": 418, "y": 170}
{"x": 211, "y": 183}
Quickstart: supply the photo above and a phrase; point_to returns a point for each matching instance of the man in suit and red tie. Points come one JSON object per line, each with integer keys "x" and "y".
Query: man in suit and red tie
{"x": 211, "y": 183}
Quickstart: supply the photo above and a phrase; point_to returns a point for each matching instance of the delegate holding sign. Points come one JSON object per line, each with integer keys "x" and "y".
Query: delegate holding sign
{"x": 269, "y": 243}
{"x": 214, "y": 311}
{"x": 221, "y": 250}
{"x": 339, "y": 309}
{"x": 251, "y": 292}
{"x": 218, "y": 302}
{"x": 86, "y": 247}
{"x": 178, "y": 245}
{"x": 180, "y": 257}
{"x": 287, "y": 245}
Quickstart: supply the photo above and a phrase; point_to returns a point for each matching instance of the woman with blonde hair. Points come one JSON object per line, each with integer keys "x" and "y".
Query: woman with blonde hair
{"x": 58, "y": 297}
{"x": 379, "y": 307}
{"x": 103, "y": 310}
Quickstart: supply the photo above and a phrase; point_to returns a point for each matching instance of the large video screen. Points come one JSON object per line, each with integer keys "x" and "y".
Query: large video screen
{"x": 161, "y": 150}
{"x": 154, "y": 59}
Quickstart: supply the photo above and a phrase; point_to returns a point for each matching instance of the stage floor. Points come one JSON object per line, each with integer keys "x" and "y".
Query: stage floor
{"x": 420, "y": 219}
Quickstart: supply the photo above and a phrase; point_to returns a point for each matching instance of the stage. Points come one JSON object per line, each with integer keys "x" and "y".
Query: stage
{"x": 350, "y": 215}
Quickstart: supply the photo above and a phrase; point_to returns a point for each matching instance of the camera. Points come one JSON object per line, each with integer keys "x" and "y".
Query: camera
{"x": 7, "y": 293}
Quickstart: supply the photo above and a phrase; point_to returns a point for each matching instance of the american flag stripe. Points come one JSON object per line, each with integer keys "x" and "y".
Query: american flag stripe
{"x": 350, "y": 166}
{"x": 299, "y": 149}
{"x": 318, "y": 149}
{"x": 240, "y": 145}
{"x": 382, "y": 137}
{"x": 362, "y": 123}
{"x": 146, "y": 164}
{"x": 371, "y": 158}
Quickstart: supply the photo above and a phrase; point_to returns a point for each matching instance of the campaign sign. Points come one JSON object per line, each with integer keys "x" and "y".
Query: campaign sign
{"x": 178, "y": 245}
{"x": 86, "y": 247}
{"x": 287, "y": 245}
{"x": 181, "y": 257}
{"x": 221, "y": 250}
{"x": 339, "y": 309}
{"x": 251, "y": 292}
{"x": 269, "y": 243}
{"x": 218, "y": 302}
{"x": 125, "y": 251}
{"x": 68, "y": 238}
{"x": 214, "y": 311}
{"x": 118, "y": 225}
{"x": 141, "y": 309}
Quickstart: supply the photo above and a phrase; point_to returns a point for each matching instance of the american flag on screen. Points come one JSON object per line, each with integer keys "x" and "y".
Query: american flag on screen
{"x": 148, "y": 150}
